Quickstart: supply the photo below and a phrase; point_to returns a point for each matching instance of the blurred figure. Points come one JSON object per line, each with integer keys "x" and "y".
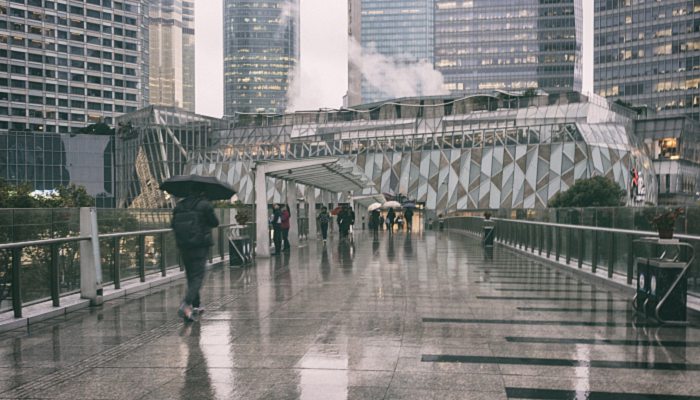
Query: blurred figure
{"x": 408, "y": 215}
{"x": 374, "y": 223}
{"x": 275, "y": 222}
{"x": 323, "y": 219}
{"x": 390, "y": 217}
{"x": 284, "y": 227}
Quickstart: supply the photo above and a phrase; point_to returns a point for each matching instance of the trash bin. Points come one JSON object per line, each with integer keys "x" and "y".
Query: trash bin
{"x": 656, "y": 279}
{"x": 488, "y": 235}
{"x": 239, "y": 251}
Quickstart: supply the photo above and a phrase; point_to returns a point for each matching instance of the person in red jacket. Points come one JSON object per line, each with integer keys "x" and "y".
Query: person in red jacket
{"x": 284, "y": 226}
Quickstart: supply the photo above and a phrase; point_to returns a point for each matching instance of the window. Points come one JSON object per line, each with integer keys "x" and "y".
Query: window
{"x": 77, "y": 90}
{"x": 77, "y": 104}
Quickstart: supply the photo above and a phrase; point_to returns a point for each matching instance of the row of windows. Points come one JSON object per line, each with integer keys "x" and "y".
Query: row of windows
{"x": 624, "y": 36}
{"x": 651, "y": 68}
{"x": 73, "y": 77}
{"x": 664, "y": 49}
{"x": 50, "y": 73}
{"x": 60, "y": 115}
{"x": 42, "y": 59}
{"x": 52, "y": 88}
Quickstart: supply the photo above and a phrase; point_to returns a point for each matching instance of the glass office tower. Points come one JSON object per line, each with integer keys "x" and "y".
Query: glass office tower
{"x": 509, "y": 44}
{"x": 261, "y": 52}
{"x": 172, "y": 53}
{"x": 647, "y": 53}
{"x": 400, "y": 30}
{"x": 65, "y": 65}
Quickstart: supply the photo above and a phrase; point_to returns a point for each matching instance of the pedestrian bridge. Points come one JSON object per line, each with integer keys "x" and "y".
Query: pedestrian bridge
{"x": 409, "y": 316}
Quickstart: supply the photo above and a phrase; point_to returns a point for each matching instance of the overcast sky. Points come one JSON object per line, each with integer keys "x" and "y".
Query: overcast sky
{"x": 323, "y": 54}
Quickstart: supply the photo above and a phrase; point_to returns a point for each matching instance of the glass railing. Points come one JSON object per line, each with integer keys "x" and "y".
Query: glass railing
{"x": 45, "y": 266}
{"x": 610, "y": 251}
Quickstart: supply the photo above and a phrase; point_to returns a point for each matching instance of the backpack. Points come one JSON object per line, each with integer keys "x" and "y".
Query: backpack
{"x": 189, "y": 230}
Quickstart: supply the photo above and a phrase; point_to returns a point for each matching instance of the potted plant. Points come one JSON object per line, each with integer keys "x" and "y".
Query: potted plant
{"x": 666, "y": 221}
{"x": 242, "y": 212}
{"x": 487, "y": 215}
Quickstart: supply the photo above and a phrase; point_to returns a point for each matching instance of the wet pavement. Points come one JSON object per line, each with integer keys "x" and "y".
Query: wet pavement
{"x": 417, "y": 316}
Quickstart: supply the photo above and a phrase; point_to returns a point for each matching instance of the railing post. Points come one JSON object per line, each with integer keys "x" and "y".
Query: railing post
{"x": 142, "y": 258}
{"x": 594, "y": 252}
{"x": 557, "y": 236}
{"x": 630, "y": 260}
{"x": 221, "y": 243}
{"x": 16, "y": 281}
{"x": 569, "y": 244}
{"x": 90, "y": 260}
{"x": 163, "y": 266}
{"x": 116, "y": 273}
{"x": 548, "y": 240}
{"x": 53, "y": 274}
{"x": 611, "y": 255}
{"x": 581, "y": 247}
{"x": 540, "y": 239}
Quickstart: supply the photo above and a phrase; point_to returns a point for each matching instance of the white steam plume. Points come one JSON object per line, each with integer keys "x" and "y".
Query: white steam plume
{"x": 394, "y": 78}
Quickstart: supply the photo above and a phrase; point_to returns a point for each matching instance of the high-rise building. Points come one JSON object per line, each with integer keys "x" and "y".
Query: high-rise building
{"x": 171, "y": 53}
{"x": 65, "y": 65}
{"x": 476, "y": 45}
{"x": 261, "y": 53}
{"x": 483, "y": 45}
{"x": 400, "y": 30}
{"x": 648, "y": 54}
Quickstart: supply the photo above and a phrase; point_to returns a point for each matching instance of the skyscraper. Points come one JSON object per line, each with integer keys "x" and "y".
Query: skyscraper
{"x": 171, "y": 53}
{"x": 476, "y": 45}
{"x": 66, "y": 65}
{"x": 261, "y": 53}
{"x": 483, "y": 45}
{"x": 400, "y": 30}
{"x": 648, "y": 54}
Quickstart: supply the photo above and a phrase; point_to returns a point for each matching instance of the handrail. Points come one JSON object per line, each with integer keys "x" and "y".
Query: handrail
{"x": 588, "y": 228}
{"x": 30, "y": 243}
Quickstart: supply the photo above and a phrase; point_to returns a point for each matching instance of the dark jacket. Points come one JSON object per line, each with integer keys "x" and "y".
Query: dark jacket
{"x": 206, "y": 213}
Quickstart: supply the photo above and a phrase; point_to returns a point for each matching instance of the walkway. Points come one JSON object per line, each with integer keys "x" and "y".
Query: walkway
{"x": 409, "y": 317}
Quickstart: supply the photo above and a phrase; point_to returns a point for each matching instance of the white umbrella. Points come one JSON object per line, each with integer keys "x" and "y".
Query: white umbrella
{"x": 391, "y": 204}
{"x": 374, "y": 206}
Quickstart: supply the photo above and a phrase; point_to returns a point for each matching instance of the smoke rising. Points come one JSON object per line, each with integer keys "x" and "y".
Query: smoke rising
{"x": 394, "y": 78}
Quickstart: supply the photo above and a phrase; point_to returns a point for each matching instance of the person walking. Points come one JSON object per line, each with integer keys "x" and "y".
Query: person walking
{"x": 408, "y": 214}
{"x": 390, "y": 217}
{"x": 323, "y": 219}
{"x": 284, "y": 226}
{"x": 192, "y": 222}
{"x": 275, "y": 222}
{"x": 344, "y": 221}
{"x": 375, "y": 223}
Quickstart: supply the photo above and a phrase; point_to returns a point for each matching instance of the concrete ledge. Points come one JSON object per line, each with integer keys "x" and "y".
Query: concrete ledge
{"x": 618, "y": 282}
{"x": 45, "y": 310}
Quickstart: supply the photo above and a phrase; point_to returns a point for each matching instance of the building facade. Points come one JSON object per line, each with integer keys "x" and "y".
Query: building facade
{"x": 400, "y": 30}
{"x": 483, "y": 45}
{"x": 648, "y": 54}
{"x": 66, "y": 65}
{"x": 476, "y": 45}
{"x": 493, "y": 150}
{"x": 261, "y": 54}
{"x": 171, "y": 53}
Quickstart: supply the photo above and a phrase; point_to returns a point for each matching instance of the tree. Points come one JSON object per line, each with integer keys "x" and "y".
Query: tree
{"x": 598, "y": 191}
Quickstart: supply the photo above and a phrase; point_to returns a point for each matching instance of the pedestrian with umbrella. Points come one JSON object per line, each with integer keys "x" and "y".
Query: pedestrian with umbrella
{"x": 192, "y": 222}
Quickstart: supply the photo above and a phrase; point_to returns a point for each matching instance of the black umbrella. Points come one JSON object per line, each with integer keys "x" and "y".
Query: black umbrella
{"x": 214, "y": 189}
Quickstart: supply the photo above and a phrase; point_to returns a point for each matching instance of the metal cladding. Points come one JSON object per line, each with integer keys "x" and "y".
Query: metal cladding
{"x": 498, "y": 150}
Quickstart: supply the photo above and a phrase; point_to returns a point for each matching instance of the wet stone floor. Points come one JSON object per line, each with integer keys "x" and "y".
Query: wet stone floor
{"x": 421, "y": 316}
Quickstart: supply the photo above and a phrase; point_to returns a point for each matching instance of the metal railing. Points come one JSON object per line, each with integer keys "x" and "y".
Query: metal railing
{"x": 594, "y": 248}
{"x": 56, "y": 267}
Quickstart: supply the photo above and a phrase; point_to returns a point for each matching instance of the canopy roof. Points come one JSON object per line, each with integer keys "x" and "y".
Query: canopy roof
{"x": 328, "y": 173}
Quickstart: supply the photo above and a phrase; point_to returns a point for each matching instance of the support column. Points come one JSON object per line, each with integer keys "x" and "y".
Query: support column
{"x": 292, "y": 202}
{"x": 262, "y": 231}
{"x": 311, "y": 203}
{"x": 90, "y": 260}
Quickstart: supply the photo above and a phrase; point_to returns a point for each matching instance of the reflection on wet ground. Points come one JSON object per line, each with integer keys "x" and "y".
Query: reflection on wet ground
{"x": 402, "y": 317}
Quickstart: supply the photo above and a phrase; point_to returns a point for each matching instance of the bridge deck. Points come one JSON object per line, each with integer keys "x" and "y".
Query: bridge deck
{"x": 407, "y": 317}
